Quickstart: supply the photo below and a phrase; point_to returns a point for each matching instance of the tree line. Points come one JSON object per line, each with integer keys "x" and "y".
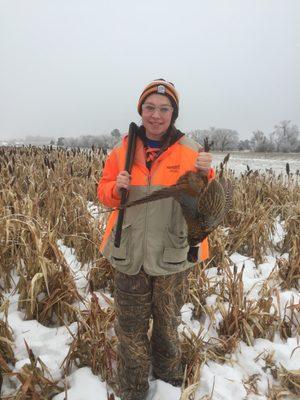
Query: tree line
{"x": 284, "y": 138}
{"x": 106, "y": 141}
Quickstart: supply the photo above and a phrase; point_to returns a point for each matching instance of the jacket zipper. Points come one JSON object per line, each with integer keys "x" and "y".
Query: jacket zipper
{"x": 146, "y": 218}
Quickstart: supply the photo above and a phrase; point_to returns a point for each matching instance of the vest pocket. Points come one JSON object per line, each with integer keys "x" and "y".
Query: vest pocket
{"x": 175, "y": 249}
{"x": 175, "y": 256}
{"x": 121, "y": 255}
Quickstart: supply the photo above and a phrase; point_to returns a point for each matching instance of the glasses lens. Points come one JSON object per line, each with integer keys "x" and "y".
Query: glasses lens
{"x": 165, "y": 109}
{"x": 150, "y": 109}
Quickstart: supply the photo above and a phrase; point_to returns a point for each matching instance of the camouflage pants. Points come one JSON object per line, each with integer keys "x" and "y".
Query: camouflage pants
{"x": 137, "y": 298}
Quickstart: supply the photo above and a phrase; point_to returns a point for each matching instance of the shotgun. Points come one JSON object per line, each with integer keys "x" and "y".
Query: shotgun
{"x": 132, "y": 134}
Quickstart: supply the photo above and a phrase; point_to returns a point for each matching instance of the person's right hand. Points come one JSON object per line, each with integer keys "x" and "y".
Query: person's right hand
{"x": 122, "y": 181}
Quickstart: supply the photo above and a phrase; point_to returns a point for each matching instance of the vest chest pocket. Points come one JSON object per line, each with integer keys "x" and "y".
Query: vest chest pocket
{"x": 121, "y": 255}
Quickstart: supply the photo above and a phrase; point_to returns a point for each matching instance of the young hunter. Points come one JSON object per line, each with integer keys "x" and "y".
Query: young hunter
{"x": 151, "y": 263}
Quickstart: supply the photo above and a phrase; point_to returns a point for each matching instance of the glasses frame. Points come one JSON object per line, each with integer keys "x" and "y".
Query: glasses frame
{"x": 158, "y": 108}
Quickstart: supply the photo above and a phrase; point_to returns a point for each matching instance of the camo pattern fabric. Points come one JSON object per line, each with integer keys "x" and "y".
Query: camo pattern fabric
{"x": 137, "y": 299}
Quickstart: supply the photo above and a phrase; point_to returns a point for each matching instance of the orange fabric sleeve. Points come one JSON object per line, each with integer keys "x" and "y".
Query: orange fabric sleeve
{"x": 204, "y": 245}
{"x": 204, "y": 250}
{"x": 107, "y": 193}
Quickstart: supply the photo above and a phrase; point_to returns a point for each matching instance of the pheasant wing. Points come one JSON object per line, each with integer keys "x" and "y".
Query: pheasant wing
{"x": 212, "y": 207}
{"x": 170, "y": 191}
{"x": 228, "y": 190}
{"x": 157, "y": 195}
{"x": 187, "y": 186}
{"x": 211, "y": 204}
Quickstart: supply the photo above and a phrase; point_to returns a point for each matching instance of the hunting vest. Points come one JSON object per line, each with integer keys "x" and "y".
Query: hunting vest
{"x": 154, "y": 235}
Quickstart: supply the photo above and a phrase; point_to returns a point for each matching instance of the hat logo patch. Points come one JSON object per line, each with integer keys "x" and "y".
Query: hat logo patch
{"x": 161, "y": 89}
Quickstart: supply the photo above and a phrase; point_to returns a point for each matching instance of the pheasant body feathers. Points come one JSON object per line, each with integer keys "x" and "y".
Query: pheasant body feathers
{"x": 204, "y": 203}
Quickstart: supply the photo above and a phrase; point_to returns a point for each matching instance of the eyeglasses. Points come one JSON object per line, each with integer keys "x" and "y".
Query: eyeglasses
{"x": 150, "y": 109}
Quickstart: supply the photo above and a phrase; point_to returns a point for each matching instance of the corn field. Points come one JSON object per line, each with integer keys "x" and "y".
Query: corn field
{"x": 48, "y": 203}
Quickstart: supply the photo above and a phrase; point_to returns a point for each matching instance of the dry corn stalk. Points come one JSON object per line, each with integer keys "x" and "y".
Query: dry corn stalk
{"x": 276, "y": 392}
{"x": 246, "y": 319}
{"x": 47, "y": 288}
{"x": 250, "y": 384}
{"x": 35, "y": 381}
{"x": 290, "y": 379}
{"x": 6, "y": 338}
{"x": 6, "y": 343}
{"x": 193, "y": 355}
{"x": 93, "y": 345}
{"x": 289, "y": 322}
{"x": 101, "y": 275}
{"x": 219, "y": 243}
{"x": 200, "y": 287}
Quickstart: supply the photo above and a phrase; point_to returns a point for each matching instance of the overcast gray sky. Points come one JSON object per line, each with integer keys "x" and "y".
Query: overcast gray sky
{"x": 73, "y": 67}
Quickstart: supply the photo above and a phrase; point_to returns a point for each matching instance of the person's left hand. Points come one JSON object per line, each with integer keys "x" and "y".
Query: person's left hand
{"x": 203, "y": 161}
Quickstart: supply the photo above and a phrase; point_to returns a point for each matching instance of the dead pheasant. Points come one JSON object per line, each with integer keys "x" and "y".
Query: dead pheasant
{"x": 204, "y": 203}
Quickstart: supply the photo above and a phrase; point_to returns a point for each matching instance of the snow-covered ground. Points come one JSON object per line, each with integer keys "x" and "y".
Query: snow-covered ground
{"x": 223, "y": 382}
{"x": 238, "y": 161}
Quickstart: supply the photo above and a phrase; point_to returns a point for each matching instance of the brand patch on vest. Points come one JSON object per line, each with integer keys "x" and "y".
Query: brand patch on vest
{"x": 173, "y": 168}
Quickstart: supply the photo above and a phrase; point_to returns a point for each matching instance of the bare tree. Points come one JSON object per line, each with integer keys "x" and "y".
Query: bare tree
{"x": 244, "y": 145}
{"x": 200, "y": 134}
{"x": 116, "y": 136}
{"x": 285, "y": 136}
{"x": 224, "y": 139}
{"x": 260, "y": 142}
{"x": 61, "y": 141}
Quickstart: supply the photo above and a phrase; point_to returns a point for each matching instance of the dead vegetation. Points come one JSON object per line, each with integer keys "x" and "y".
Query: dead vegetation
{"x": 94, "y": 345}
{"x": 6, "y": 339}
{"x": 101, "y": 275}
{"x": 244, "y": 318}
{"x": 46, "y": 198}
{"x": 35, "y": 381}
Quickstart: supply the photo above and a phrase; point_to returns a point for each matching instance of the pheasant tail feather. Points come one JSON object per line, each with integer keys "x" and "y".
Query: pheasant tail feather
{"x": 157, "y": 195}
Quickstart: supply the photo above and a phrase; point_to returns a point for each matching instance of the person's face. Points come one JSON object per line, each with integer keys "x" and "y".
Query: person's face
{"x": 156, "y": 115}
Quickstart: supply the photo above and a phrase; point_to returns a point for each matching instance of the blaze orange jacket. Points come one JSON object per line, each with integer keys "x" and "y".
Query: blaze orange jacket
{"x": 154, "y": 235}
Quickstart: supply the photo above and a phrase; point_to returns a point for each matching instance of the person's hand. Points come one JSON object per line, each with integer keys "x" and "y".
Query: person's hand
{"x": 122, "y": 181}
{"x": 203, "y": 161}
